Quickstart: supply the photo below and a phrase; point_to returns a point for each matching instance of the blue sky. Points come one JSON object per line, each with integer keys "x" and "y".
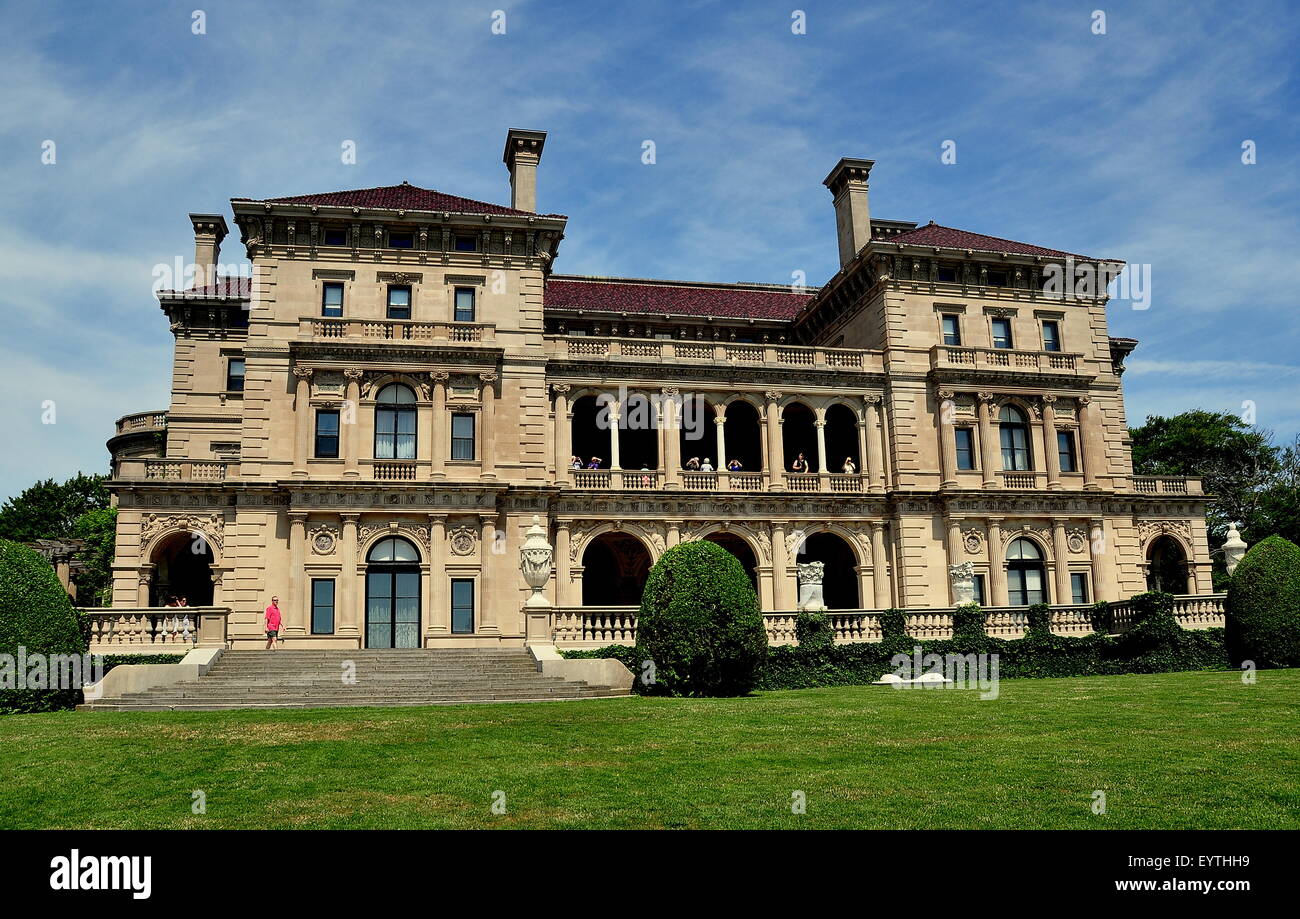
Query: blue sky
{"x": 1126, "y": 144}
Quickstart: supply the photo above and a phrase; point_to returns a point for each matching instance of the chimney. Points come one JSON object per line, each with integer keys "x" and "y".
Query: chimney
{"x": 209, "y": 231}
{"x": 523, "y": 153}
{"x": 848, "y": 185}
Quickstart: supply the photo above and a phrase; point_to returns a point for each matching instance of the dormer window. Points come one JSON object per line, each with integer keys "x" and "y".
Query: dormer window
{"x": 401, "y": 240}
{"x": 336, "y": 237}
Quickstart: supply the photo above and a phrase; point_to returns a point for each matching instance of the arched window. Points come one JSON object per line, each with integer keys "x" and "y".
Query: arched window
{"x": 1025, "y": 573}
{"x": 395, "y": 422}
{"x": 1014, "y": 431}
{"x": 393, "y": 595}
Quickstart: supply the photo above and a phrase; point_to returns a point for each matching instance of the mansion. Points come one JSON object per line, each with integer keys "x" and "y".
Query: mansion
{"x": 367, "y": 425}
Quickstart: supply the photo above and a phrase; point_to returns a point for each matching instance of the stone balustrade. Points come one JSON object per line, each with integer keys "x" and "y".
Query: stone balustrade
{"x": 958, "y": 357}
{"x": 1167, "y": 485}
{"x": 142, "y": 422}
{"x": 316, "y": 327}
{"x": 176, "y": 469}
{"x": 721, "y": 353}
{"x": 155, "y": 629}
{"x": 1202, "y": 611}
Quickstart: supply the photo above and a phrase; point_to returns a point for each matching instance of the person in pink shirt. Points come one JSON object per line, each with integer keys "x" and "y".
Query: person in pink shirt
{"x": 272, "y": 623}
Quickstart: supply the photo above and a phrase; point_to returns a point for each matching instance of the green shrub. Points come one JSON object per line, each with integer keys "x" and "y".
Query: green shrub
{"x": 37, "y": 616}
{"x": 1040, "y": 619}
{"x": 1263, "y": 615}
{"x": 700, "y": 623}
{"x": 813, "y": 630}
{"x": 968, "y": 623}
{"x": 893, "y": 624}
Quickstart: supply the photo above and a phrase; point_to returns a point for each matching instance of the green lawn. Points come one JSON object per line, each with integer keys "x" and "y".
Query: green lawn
{"x": 1170, "y": 750}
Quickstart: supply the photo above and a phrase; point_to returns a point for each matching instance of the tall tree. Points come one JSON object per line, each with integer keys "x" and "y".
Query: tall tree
{"x": 49, "y": 510}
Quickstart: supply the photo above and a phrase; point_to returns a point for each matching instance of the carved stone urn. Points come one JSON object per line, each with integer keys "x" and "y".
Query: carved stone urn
{"x": 535, "y": 558}
{"x": 963, "y": 583}
{"x": 811, "y": 575}
{"x": 1234, "y": 547}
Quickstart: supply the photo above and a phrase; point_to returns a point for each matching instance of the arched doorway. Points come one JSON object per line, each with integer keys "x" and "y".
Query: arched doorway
{"x": 614, "y": 569}
{"x": 841, "y": 438}
{"x": 1026, "y": 577}
{"x": 743, "y": 437}
{"x": 589, "y": 440}
{"x": 696, "y": 431}
{"x": 741, "y": 550}
{"x": 799, "y": 433}
{"x": 182, "y": 569}
{"x": 840, "y": 578}
{"x": 393, "y": 594}
{"x": 1167, "y": 566}
{"x": 638, "y": 434}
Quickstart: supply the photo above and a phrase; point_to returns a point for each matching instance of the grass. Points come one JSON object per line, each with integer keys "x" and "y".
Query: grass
{"x": 1179, "y": 750}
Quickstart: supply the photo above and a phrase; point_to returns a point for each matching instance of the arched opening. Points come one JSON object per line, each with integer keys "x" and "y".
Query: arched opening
{"x": 614, "y": 570}
{"x": 1026, "y": 577}
{"x": 395, "y": 422}
{"x": 590, "y": 441}
{"x": 182, "y": 570}
{"x": 1167, "y": 566}
{"x": 799, "y": 433}
{"x": 743, "y": 438}
{"x": 393, "y": 594}
{"x": 638, "y": 434}
{"x": 739, "y": 548}
{"x": 840, "y": 578}
{"x": 1013, "y": 429}
{"x": 842, "y": 440}
{"x": 696, "y": 435}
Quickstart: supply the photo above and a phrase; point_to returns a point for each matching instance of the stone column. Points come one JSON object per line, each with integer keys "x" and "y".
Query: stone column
{"x": 487, "y": 615}
{"x": 296, "y": 623}
{"x": 720, "y": 438}
{"x": 562, "y": 563}
{"x": 487, "y": 436}
{"x": 947, "y": 439}
{"x": 302, "y": 417}
{"x": 350, "y": 426}
{"x": 438, "y": 616}
{"x": 674, "y": 533}
{"x": 879, "y": 566}
{"x": 775, "y": 446}
{"x": 614, "y": 415}
{"x": 1061, "y": 549}
{"x": 1049, "y": 442}
{"x": 562, "y": 433}
{"x": 439, "y": 442}
{"x": 671, "y": 428}
{"x": 1105, "y": 579}
{"x": 990, "y": 448}
{"x": 780, "y": 566}
{"x": 873, "y": 457}
{"x": 1090, "y": 446}
{"x": 820, "y": 425}
{"x": 426, "y": 443}
{"x": 351, "y": 590}
{"x": 997, "y": 585}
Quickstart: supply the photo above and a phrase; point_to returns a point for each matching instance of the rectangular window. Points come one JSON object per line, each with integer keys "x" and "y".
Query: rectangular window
{"x": 399, "y": 302}
{"x": 1078, "y": 588}
{"x": 322, "y": 606}
{"x": 965, "y": 448}
{"x": 1051, "y": 335}
{"x": 401, "y": 240}
{"x": 1065, "y": 449}
{"x": 235, "y": 374}
{"x": 997, "y": 279}
{"x": 466, "y": 243}
{"x": 948, "y": 274}
{"x": 462, "y": 437}
{"x": 462, "y": 606}
{"x": 1001, "y": 333}
{"x": 979, "y": 589}
{"x": 332, "y": 299}
{"x": 327, "y": 433}
{"x": 951, "y": 330}
{"x": 336, "y": 237}
{"x": 464, "y": 304}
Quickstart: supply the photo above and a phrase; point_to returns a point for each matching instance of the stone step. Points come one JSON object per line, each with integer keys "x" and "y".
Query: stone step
{"x": 117, "y": 706}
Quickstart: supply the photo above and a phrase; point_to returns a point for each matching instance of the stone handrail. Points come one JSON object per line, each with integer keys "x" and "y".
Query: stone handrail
{"x": 1167, "y": 485}
{"x": 951, "y": 356}
{"x": 1192, "y": 611}
{"x": 155, "y": 629}
{"x": 395, "y": 329}
{"x": 725, "y": 353}
{"x": 142, "y": 421}
{"x": 188, "y": 470}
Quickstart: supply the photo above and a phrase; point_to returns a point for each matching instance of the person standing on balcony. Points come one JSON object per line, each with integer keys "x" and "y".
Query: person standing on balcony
{"x": 272, "y": 623}
{"x": 734, "y": 465}
{"x": 575, "y": 462}
{"x": 707, "y": 465}
{"x": 693, "y": 464}
{"x": 799, "y": 465}
{"x": 849, "y": 467}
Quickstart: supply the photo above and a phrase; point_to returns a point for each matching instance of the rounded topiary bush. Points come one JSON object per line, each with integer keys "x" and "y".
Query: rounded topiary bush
{"x": 36, "y": 616}
{"x": 1263, "y": 615}
{"x": 700, "y": 623}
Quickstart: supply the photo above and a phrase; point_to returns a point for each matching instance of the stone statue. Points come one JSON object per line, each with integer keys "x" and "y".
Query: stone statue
{"x": 535, "y": 562}
{"x": 963, "y": 583}
{"x": 810, "y": 586}
{"x": 1234, "y": 547}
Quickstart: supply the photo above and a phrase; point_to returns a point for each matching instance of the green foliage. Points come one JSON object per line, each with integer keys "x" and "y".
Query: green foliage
{"x": 50, "y": 510}
{"x": 98, "y": 529}
{"x": 893, "y": 624}
{"x": 967, "y": 623}
{"x": 700, "y": 623}
{"x": 813, "y": 630}
{"x": 1039, "y": 617}
{"x": 36, "y": 615}
{"x": 1263, "y": 616}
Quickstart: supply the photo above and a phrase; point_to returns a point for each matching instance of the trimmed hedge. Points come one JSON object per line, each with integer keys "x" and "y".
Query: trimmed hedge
{"x": 700, "y": 623}
{"x": 1263, "y": 616}
{"x": 813, "y": 630}
{"x": 1154, "y": 644}
{"x": 37, "y": 616}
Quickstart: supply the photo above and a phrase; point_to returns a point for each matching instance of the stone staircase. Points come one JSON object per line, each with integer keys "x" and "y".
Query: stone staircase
{"x": 315, "y": 679}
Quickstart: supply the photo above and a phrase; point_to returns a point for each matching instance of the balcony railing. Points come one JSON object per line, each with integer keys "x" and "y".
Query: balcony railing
{"x": 182, "y": 469}
{"x": 142, "y": 421}
{"x": 947, "y": 357}
{"x": 723, "y": 353}
{"x": 394, "y": 471}
{"x": 1202, "y": 611}
{"x": 152, "y": 629}
{"x": 397, "y": 330}
{"x": 1021, "y": 479}
{"x": 1164, "y": 485}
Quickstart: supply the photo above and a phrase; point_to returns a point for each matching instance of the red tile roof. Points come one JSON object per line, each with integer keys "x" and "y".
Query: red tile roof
{"x": 396, "y": 198}
{"x": 932, "y": 234}
{"x": 628, "y": 295}
{"x": 232, "y": 287}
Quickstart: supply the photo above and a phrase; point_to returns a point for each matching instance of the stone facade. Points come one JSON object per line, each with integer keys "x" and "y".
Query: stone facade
{"x": 465, "y": 374}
